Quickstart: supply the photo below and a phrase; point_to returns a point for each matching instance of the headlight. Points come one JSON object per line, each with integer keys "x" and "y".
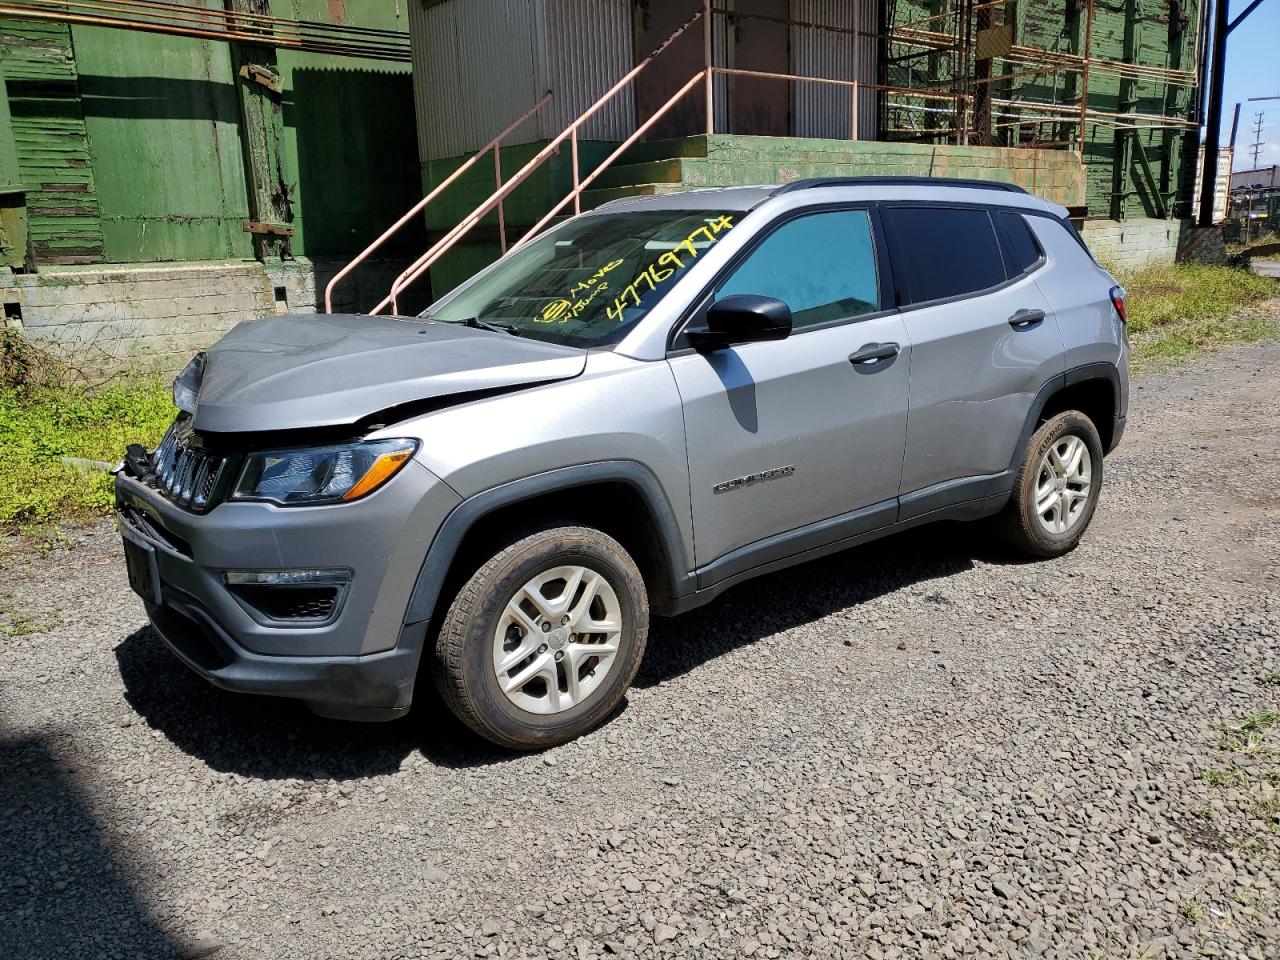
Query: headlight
{"x": 322, "y": 474}
{"x": 186, "y": 385}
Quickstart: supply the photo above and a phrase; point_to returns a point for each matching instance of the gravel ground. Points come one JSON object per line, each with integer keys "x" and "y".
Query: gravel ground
{"x": 920, "y": 748}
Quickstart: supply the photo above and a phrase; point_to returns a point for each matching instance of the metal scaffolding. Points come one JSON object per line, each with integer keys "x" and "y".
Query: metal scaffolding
{"x": 969, "y": 48}
{"x": 1134, "y": 108}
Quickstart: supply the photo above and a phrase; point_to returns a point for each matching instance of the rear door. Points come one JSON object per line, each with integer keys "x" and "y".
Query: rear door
{"x": 983, "y": 341}
{"x": 797, "y": 431}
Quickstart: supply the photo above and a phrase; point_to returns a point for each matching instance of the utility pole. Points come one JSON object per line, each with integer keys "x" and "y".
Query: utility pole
{"x": 1257, "y": 138}
{"x": 1216, "y": 69}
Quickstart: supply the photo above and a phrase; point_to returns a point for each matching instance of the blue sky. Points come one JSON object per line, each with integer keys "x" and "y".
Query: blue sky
{"x": 1253, "y": 70}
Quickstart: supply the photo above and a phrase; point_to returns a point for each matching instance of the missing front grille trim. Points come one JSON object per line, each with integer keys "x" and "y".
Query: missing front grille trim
{"x": 310, "y": 604}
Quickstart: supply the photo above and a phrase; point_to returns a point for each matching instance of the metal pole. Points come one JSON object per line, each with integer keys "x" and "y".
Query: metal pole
{"x": 708, "y": 54}
{"x": 497, "y": 185}
{"x": 1213, "y": 118}
{"x": 1084, "y": 76}
{"x": 573, "y": 156}
{"x": 853, "y": 113}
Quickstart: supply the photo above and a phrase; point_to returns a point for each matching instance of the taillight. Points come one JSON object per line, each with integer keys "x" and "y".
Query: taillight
{"x": 1117, "y": 298}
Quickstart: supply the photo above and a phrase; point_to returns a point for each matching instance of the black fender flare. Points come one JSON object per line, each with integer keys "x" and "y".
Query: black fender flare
{"x": 1088, "y": 371}
{"x": 444, "y": 546}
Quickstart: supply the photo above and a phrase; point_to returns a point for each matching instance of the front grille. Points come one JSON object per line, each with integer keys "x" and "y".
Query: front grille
{"x": 185, "y": 473}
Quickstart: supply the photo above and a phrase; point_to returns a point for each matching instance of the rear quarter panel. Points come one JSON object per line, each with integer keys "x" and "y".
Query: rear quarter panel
{"x": 1080, "y": 292}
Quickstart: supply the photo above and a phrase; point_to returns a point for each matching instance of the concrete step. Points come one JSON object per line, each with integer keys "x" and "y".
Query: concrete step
{"x": 647, "y": 150}
{"x": 648, "y": 171}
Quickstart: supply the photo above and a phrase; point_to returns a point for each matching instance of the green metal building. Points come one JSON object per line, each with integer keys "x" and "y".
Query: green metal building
{"x": 128, "y": 172}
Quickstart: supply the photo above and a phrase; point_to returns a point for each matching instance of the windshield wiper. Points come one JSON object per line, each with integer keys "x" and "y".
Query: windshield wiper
{"x": 475, "y": 323}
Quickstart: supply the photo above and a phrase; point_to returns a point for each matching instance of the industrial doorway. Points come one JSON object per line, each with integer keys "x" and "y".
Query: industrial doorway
{"x": 760, "y": 39}
{"x": 653, "y": 21}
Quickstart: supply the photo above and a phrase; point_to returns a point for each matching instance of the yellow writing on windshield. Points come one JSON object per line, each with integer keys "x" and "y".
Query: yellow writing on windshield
{"x": 682, "y": 254}
{"x": 580, "y": 296}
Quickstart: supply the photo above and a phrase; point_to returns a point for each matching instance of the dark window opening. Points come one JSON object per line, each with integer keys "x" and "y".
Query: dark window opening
{"x": 13, "y": 314}
{"x": 1021, "y": 250}
{"x": 941, "y": 252}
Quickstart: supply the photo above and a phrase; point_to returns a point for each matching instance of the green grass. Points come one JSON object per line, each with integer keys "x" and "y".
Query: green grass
{"x": 21, "y": 623}
{"x": 1178, "y": 309}
{"x": 40, "y": 425}
{"x": 1191, "y": 912}
{"x": 1231, "y": 777}
{"x": 1249, "y": 737}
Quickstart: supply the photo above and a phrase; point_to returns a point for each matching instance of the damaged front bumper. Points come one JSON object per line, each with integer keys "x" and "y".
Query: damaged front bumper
{"x": 346, "y": 652}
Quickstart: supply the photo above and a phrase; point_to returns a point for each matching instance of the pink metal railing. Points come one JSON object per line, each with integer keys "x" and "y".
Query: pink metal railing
{"x": 581, "y": 183}
{"x": 447, "y": 242}
{"x": 495, "y": 145}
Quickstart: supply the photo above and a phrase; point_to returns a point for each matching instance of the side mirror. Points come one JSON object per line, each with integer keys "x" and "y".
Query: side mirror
{"x": 742, "y": 318}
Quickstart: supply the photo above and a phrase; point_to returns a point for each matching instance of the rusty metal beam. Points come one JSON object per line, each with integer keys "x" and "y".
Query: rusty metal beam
{"x": 149, "y": 16}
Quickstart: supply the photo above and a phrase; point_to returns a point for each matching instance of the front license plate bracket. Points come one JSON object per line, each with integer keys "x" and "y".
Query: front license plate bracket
{"x": 140, "y": 563}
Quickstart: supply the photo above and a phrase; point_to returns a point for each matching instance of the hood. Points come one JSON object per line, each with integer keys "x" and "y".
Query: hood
{"x": 329, "y": 370}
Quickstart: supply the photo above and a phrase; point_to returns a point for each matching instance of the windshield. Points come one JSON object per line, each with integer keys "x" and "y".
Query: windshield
{"x": 589, "y": 282}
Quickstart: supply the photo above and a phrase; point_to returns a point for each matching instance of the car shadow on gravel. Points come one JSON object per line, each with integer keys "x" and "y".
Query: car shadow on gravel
{"x": 63, "y": 892}
{"x": 272, "y": 738}
{"x": 808, "y": 592}
{"x": 275, "y": 739}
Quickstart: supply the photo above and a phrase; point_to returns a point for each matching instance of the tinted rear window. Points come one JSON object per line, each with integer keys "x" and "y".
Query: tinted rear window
{"x": 942, "y": 252}
{"x": 1020, "y": 244}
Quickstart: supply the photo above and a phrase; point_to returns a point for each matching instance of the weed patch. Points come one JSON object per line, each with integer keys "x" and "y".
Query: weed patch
{"x": 1231, "y": 777}
{"x": 40, "y": 425}
{"x": 22, "y": 623}
{"x": 1250, "y": 783}
{"x": 1178, "y": 309}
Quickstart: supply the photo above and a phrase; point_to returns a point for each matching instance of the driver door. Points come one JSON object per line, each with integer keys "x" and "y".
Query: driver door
{"x": 806, "y": 432}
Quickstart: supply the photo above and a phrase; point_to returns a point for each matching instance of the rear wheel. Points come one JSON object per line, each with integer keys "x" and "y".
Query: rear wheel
{"x": 1057, "y": 487}
{"x": 543, "y": 640}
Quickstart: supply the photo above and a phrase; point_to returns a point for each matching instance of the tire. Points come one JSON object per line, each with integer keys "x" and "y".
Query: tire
{"x": 1043, "y": 534}
{"x": 469, "y": 650}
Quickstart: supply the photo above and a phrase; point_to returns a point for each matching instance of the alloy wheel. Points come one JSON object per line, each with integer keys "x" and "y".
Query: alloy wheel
{"x": 1062, "y": 484}
{"x": 557, "y": 639}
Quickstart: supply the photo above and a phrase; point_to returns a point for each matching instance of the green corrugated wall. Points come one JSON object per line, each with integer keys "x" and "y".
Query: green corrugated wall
{"x": 51, "y": 142}
{"x": 128, "y": 143}
{"x": 162, "y": 118}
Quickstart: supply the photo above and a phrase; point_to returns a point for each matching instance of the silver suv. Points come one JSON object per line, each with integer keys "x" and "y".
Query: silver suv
{"x": 629, "y": 414}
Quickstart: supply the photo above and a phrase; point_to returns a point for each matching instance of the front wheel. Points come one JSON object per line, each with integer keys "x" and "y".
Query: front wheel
{"x": 1057, "y": 487}
{"x": 543, "y": 640}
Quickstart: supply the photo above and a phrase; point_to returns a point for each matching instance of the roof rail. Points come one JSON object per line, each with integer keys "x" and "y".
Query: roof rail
{"x": 814, "y": 182}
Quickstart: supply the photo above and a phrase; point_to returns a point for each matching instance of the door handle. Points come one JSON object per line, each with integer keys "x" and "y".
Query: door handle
{"x": 870, "y": 353}
{"x": 1026, "y": 319}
